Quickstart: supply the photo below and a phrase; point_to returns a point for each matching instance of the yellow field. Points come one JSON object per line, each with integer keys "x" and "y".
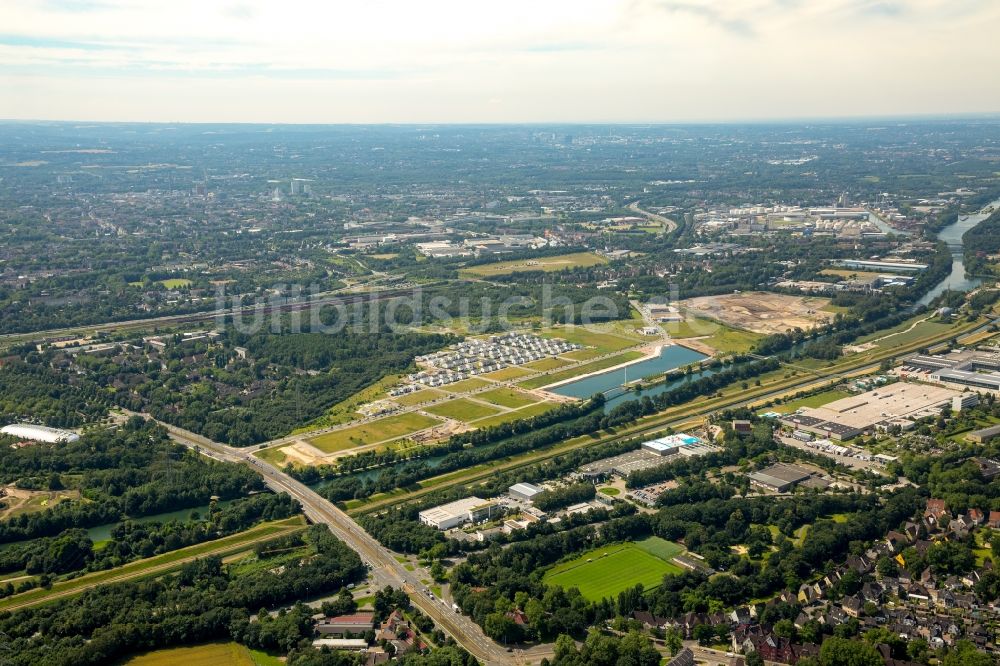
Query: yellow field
{"x": 212, "y": 654}
{"x": 547, "y": 264}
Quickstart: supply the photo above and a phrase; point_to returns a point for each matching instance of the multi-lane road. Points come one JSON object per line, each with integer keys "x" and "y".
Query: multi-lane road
{"x": 385, "y": 569}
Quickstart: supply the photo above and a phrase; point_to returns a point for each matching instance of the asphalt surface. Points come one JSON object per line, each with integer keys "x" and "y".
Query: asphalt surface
{"x": 385, "y": 569}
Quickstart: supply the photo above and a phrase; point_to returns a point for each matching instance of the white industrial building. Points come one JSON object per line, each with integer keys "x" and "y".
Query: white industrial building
{"x": 39, "y": 433}
{"x": 459, "y": 512}
{"x": 524, "y": 491}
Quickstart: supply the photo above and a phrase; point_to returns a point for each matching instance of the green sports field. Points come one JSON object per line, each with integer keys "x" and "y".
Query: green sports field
{"x": 604, "y": 572}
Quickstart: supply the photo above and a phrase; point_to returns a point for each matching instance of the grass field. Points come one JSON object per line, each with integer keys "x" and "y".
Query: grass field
{"x": 547, "y": 264}
{"x": 508, "y": 373}
{"x": 594, "y": 366}
{"x": 461, "y": 409}
{"x": 158, "y": 565}
{"x": 599, "y": 337}
{"x": 604, "y": 572}
{"x": 390, "y": 427}
{"x": 506, "y": 397}
{"x": 466, "y": 385}
{"x": 817, "y": 400}
{"x": 661, "y": 548}
{"x": 523, "y": 413}
{"x": 718, "y": 336}
{"x": 418, "y": 397}
{"x": 551, "y": 363}
{"x": 212, "y": 654}
{"x": 900, "y": 335}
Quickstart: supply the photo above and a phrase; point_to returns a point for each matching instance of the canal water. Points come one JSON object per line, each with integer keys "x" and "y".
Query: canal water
{"x": 103, "y": 532}
{"x": 952, "y": 236}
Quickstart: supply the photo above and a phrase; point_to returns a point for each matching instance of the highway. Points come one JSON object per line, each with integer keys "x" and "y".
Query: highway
{"x": 385, "y": 570}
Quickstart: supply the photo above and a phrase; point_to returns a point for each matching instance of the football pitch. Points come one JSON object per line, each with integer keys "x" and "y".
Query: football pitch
{"x": 604, "y": 572}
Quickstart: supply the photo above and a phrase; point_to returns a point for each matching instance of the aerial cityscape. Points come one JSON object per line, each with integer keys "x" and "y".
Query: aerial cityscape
{"x": 535, "y": 378}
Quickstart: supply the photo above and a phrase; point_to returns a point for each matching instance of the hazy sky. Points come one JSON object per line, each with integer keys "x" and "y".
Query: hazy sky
{"x": 510, "y": 60}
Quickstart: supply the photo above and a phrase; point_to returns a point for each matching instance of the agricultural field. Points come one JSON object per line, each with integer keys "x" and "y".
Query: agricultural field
{"x": 604, "y": 572}
{"x": 380, "y": 430}
{"x": 570, "y": 373}
{"x": 506, "y": 397}
{"x": 762, "y": 312}
{"x": 547, "y": 264}
{"x": 461, "y": 409}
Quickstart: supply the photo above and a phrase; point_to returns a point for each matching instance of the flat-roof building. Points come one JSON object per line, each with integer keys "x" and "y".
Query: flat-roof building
{"x": 985, "y": 435}
{"x": 459, "y": 512}
{"x": 848, "y": 417}
{"x": 780, "y": 477}
{"x": 524, "y": 491}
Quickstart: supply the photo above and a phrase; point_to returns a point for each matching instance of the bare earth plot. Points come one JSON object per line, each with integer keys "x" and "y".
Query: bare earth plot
{"x": 762, "y": 312}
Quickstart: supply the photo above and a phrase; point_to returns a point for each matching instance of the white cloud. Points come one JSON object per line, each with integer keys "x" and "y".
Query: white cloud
{"x": 521, "y": 60}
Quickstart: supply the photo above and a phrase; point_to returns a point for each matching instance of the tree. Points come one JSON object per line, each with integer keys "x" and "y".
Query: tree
{"x": 753, "y": 658}
{"x": 966, "y": 654}
{"x": 674, "y": 641}
{"x": 844, "y": 652}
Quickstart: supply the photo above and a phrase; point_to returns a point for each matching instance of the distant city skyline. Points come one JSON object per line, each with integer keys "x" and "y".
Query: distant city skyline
{"x": 448, "y": 61}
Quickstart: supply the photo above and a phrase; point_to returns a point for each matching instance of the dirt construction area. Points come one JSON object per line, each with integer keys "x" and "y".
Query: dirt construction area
{"x": 761, "y": 312}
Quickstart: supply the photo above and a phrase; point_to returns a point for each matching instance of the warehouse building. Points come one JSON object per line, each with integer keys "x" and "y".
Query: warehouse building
{"x": 524, "y": 491}
{"x": 459, "y": 512}
{"x": 985, "y": 435}
{"x": 780, "y": 478}
{"x": 976, "y": 370}
{"x": 892, "y": 404}
{"x": 39, "y": 433}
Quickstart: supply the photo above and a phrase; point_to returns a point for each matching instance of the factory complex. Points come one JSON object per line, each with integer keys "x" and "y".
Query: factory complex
{"x": 900, "y": 404}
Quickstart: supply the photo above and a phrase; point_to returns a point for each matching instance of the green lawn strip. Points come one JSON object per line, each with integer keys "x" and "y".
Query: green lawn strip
{"x": 586, "y": 368}
{"x": 417, "y": 397}
{"x": 507, "y": 374}
{"x": 159, "y": 564}
{"x": 520, "y": 413}
{"x": 466, "y": 385}
{"x": 815, "y": 400}
{"x": 461, "y": 409}
{"x": 544, "y": 364}
{"x": 506, "y": 397}
{"x": 379, "y": 430}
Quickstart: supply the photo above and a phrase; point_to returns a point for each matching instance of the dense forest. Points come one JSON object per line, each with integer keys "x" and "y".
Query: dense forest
{"x": 129, "y": 472}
